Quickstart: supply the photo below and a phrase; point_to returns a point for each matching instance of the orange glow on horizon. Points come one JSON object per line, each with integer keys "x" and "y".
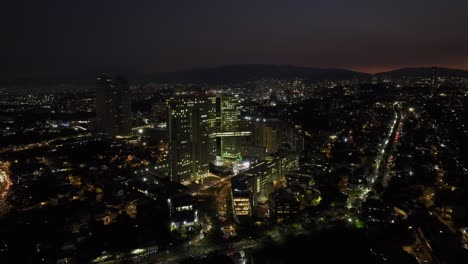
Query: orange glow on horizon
{"x": 378, "y": 69}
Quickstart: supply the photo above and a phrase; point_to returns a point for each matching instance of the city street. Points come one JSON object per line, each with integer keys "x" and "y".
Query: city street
{"x": 5, "y": 185}
{"x": 381, "y": 165}
{"x": 39, "y": 144}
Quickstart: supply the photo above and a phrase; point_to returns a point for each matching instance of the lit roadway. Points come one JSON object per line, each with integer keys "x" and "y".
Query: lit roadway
{"x": 421, "y": 250}
{"x": 216, "y": 181}
{"x": 221, "y": 196}
{"x": 145, "y": 255}
{"x": 197, "y": 247}
{"x": 201, "y": 247}
{"x": 5, "y": 185}
{"x": 39, "y": 144}
{"x": 204, "y": 249}
{"x": 381, "y": 165}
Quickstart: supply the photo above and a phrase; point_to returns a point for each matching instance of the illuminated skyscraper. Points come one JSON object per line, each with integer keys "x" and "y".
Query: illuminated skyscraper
{"x": 267, "y": 135}
{"x": 191, "y": 120}
{"x": 113, "y": 106}
{"x": 230, "y": 122}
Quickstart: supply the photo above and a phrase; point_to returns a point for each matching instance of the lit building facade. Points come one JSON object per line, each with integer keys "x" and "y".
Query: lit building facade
{"x": 242, "y": 198}
{"x": 273, "y": 135}
{"x": 266, "y": 135}
{"x": 182, "y": 210}
{"x": 259, "y": 179}
{"x": 230, "y": 122}
{"x": 263, "y": 174}
{"x": 191, "y": 121}
{"x": 283, "y": 205}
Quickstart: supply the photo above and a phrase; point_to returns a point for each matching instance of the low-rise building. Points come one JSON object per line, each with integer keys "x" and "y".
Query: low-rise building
{"x": 283, "y": 204}
{"x": 182, "y": 210}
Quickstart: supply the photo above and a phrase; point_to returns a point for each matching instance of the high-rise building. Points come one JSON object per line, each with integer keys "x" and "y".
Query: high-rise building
{"x": 113, "y": 106}
{"x": 273, "y": 134}
{"x": 267, "y": 135}
{"x": 191, "y": 121}
{"x": 230, "y": 122}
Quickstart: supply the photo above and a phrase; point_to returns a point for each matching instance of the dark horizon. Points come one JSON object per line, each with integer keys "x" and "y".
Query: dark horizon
{"x": 234, "y": 72}
{"x": 65, "y": 39}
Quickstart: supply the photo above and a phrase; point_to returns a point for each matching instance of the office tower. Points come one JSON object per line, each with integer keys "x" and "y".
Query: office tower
{"x": 105, "y": 122}
{"x": 267, "y": 135}
{"x": 113, "y": 106}
{"x": 123, "y": 106}
{"x": 191, "y": 120}
{"x": 274, "y": 135}
{"x": 230, "y": 123}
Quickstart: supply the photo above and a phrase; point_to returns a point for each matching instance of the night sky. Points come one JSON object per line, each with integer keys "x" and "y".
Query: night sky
{"x": 45, "y": 37}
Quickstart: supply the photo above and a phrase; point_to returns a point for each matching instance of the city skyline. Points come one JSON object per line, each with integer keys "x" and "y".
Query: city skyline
{"x": 234, "y": 132}
{"x": 236, "y": 172}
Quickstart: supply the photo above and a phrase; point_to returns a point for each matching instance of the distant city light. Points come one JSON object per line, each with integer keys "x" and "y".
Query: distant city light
{"x": 249, "y": 164}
